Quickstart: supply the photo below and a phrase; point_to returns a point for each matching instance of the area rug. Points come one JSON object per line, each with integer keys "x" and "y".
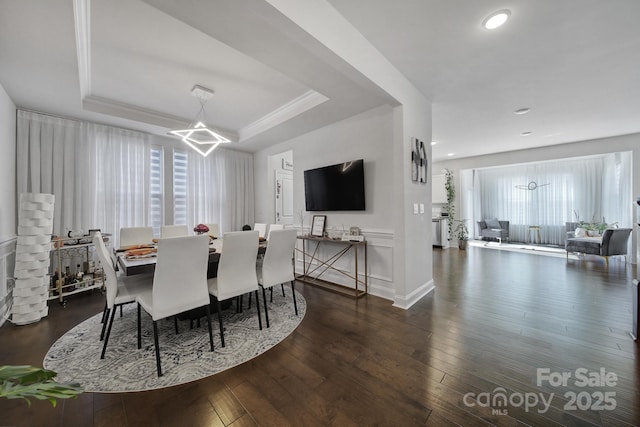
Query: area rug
{"x": 185, "y": 357}
{"x": 523, "y": 248}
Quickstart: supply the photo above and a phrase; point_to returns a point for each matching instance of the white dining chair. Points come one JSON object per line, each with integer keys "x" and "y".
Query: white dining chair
{"x": 130, "y": 236}
{"x": 179, "y": 284}
{"x": 171, "y": 231}
{"x": 261, "y": 229}
{"x": 119, "y": 290}
{"x": 214, "y": 230}
{"x": 276, "y": 267}
{"x": 236, "y": 271}
{"x": 274, "y": 227}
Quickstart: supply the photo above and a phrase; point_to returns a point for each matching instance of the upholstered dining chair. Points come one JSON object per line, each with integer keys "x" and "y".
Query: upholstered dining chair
{"x": 274, "y": 227}
{"x": 261, "y": 229}
{"x": 276, "y": 267}
{"x": 119, "y": 290}
{"x": 130, "y": 236}
{"x": 236, "y": 271}
{"x": 170, "y": 231}
{"x": 179, "y": 284}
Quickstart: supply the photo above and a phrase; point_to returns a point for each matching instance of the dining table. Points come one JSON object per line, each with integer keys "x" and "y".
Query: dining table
{"x": 132, "y": 265}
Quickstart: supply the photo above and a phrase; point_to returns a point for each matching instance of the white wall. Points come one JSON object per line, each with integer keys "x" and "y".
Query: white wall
{"x": 8, "y": 197}
{"x": 367, "y": 136}
{"x": 412, "y": 264}
{"x": 574, "y": 149}
{"x": 7, "y": 167}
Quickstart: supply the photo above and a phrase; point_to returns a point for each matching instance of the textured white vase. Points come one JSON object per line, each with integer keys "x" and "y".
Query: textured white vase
{"x": 31, "y": 291}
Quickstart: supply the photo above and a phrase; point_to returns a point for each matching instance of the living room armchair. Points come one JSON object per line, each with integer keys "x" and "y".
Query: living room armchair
{"x": 493, "y": 230}
{"x": 613, "y": 242}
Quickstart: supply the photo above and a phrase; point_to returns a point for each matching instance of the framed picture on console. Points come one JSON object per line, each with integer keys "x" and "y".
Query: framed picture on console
{"x": 317, "y": 226}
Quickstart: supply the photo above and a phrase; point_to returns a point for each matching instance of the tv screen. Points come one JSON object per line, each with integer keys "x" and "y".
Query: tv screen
{"x": 335, "y": 188}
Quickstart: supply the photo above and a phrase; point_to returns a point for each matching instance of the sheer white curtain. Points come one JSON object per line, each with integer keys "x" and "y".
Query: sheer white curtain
{"x": 48, "y": 162}
{"x": 119, "y": 174}
{"x": 590, "y": 187}
{"x": 221, "y": 189}
{"x": 99, "y": 174}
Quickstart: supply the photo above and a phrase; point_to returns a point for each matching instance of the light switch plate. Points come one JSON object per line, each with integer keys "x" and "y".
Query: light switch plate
{"x": 415, "y": 209}
{"x": 421, "y": 208}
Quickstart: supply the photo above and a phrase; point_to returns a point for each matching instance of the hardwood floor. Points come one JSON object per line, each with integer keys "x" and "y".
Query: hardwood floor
{"x": 493, "y": 320}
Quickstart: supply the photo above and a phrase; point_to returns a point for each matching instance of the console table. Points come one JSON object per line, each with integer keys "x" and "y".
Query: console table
{"x": 311, "y": 272}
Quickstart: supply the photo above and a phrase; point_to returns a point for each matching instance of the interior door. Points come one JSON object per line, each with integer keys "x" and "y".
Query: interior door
{"x": 284, "y": 197}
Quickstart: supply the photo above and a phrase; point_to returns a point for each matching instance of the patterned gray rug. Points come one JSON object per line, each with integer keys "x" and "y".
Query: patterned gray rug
{"x": 185, "y": 357}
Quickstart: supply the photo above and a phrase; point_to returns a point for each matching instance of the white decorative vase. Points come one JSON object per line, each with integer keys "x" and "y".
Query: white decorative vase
{"x": 31, "y": 291}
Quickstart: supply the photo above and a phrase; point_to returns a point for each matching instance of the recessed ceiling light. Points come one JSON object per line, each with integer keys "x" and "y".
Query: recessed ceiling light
{"x": 450, "y": 154}
{"x": 524, "y": 110}
{"x": 434, "y": 142}
{"x": 527, "y": 133}
{"x": 496, "y": 19}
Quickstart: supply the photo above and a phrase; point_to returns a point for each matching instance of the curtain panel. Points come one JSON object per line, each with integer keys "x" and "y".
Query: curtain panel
{"x": 101, "y": 176}
{"x": 221, "y": 189}
{"x": 549, "y": 194}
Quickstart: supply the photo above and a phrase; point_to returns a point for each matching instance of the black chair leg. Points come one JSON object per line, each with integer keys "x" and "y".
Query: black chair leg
{"x": 258, "y": 308}
{"x": 264, "y": 298}
{"x": 106, "y": 337}
{"x": 175, "y": 322}
{"x": 293, "y": 291}
{"x": 249, "y": 305}
{"x": 271, "y": 295}
{"x": 220, "y": 321}
{"x": 155, "y": 339}
{"x": 282, "y": 286}
{"x": 139, "y": 329}
{"x": 105, "y": 318}
{"x": 209, "y": 323}
{"x": 120, "y": 311}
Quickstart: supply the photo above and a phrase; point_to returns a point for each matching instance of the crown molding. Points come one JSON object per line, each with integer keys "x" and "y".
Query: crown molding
{"x": 299, "y": 105}
{"x": 82, "y": 20}
{"x": 108, "y": 106}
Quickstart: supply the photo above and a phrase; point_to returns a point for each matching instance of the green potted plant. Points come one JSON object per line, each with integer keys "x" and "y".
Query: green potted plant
{"x": 24, "y": 382}
{"x": 450, "y": 207}
{"x": 461, "y": 232}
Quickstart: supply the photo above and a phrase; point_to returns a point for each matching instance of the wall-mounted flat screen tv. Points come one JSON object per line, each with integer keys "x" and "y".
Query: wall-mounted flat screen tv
{"x": 335, "y": 188}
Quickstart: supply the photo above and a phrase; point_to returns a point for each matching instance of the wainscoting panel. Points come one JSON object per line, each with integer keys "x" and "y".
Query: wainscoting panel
{"x": 7, "y": 263}
{"x": 379, "y": 262}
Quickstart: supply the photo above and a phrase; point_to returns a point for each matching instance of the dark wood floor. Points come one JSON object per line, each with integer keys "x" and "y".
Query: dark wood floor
{"x": 493, "y": 320}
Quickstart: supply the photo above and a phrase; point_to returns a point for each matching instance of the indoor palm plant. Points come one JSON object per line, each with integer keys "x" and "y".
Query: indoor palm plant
{"x": 25, "y": 382}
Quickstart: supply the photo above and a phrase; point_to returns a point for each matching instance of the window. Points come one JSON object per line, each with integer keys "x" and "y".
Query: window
{"x": 180, "y": 186}
{"x": 156, "y": 189}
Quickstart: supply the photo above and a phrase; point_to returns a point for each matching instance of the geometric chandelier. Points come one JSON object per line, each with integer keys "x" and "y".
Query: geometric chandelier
{"x": 198, "y": 136}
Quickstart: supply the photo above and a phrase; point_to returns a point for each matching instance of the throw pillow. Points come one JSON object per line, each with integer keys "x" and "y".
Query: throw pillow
{"x": 580, "y": 232}
{"x": 493, "y": 224}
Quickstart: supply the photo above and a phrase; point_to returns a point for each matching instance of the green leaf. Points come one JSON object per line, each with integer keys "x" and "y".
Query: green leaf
{"x": 24, "y": 382}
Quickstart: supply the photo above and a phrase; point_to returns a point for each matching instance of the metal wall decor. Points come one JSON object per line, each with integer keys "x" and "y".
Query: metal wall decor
{"x": 532, "y": 185}
{"x": 419, "y": 164}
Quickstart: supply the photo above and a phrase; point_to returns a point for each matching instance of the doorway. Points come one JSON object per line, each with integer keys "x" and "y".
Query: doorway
{"x": 281, "y": 166}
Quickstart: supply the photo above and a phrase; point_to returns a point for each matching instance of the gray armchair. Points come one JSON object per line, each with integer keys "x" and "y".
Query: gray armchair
{"x": 613, "y": 242}
{"x": 491, "y": 232}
